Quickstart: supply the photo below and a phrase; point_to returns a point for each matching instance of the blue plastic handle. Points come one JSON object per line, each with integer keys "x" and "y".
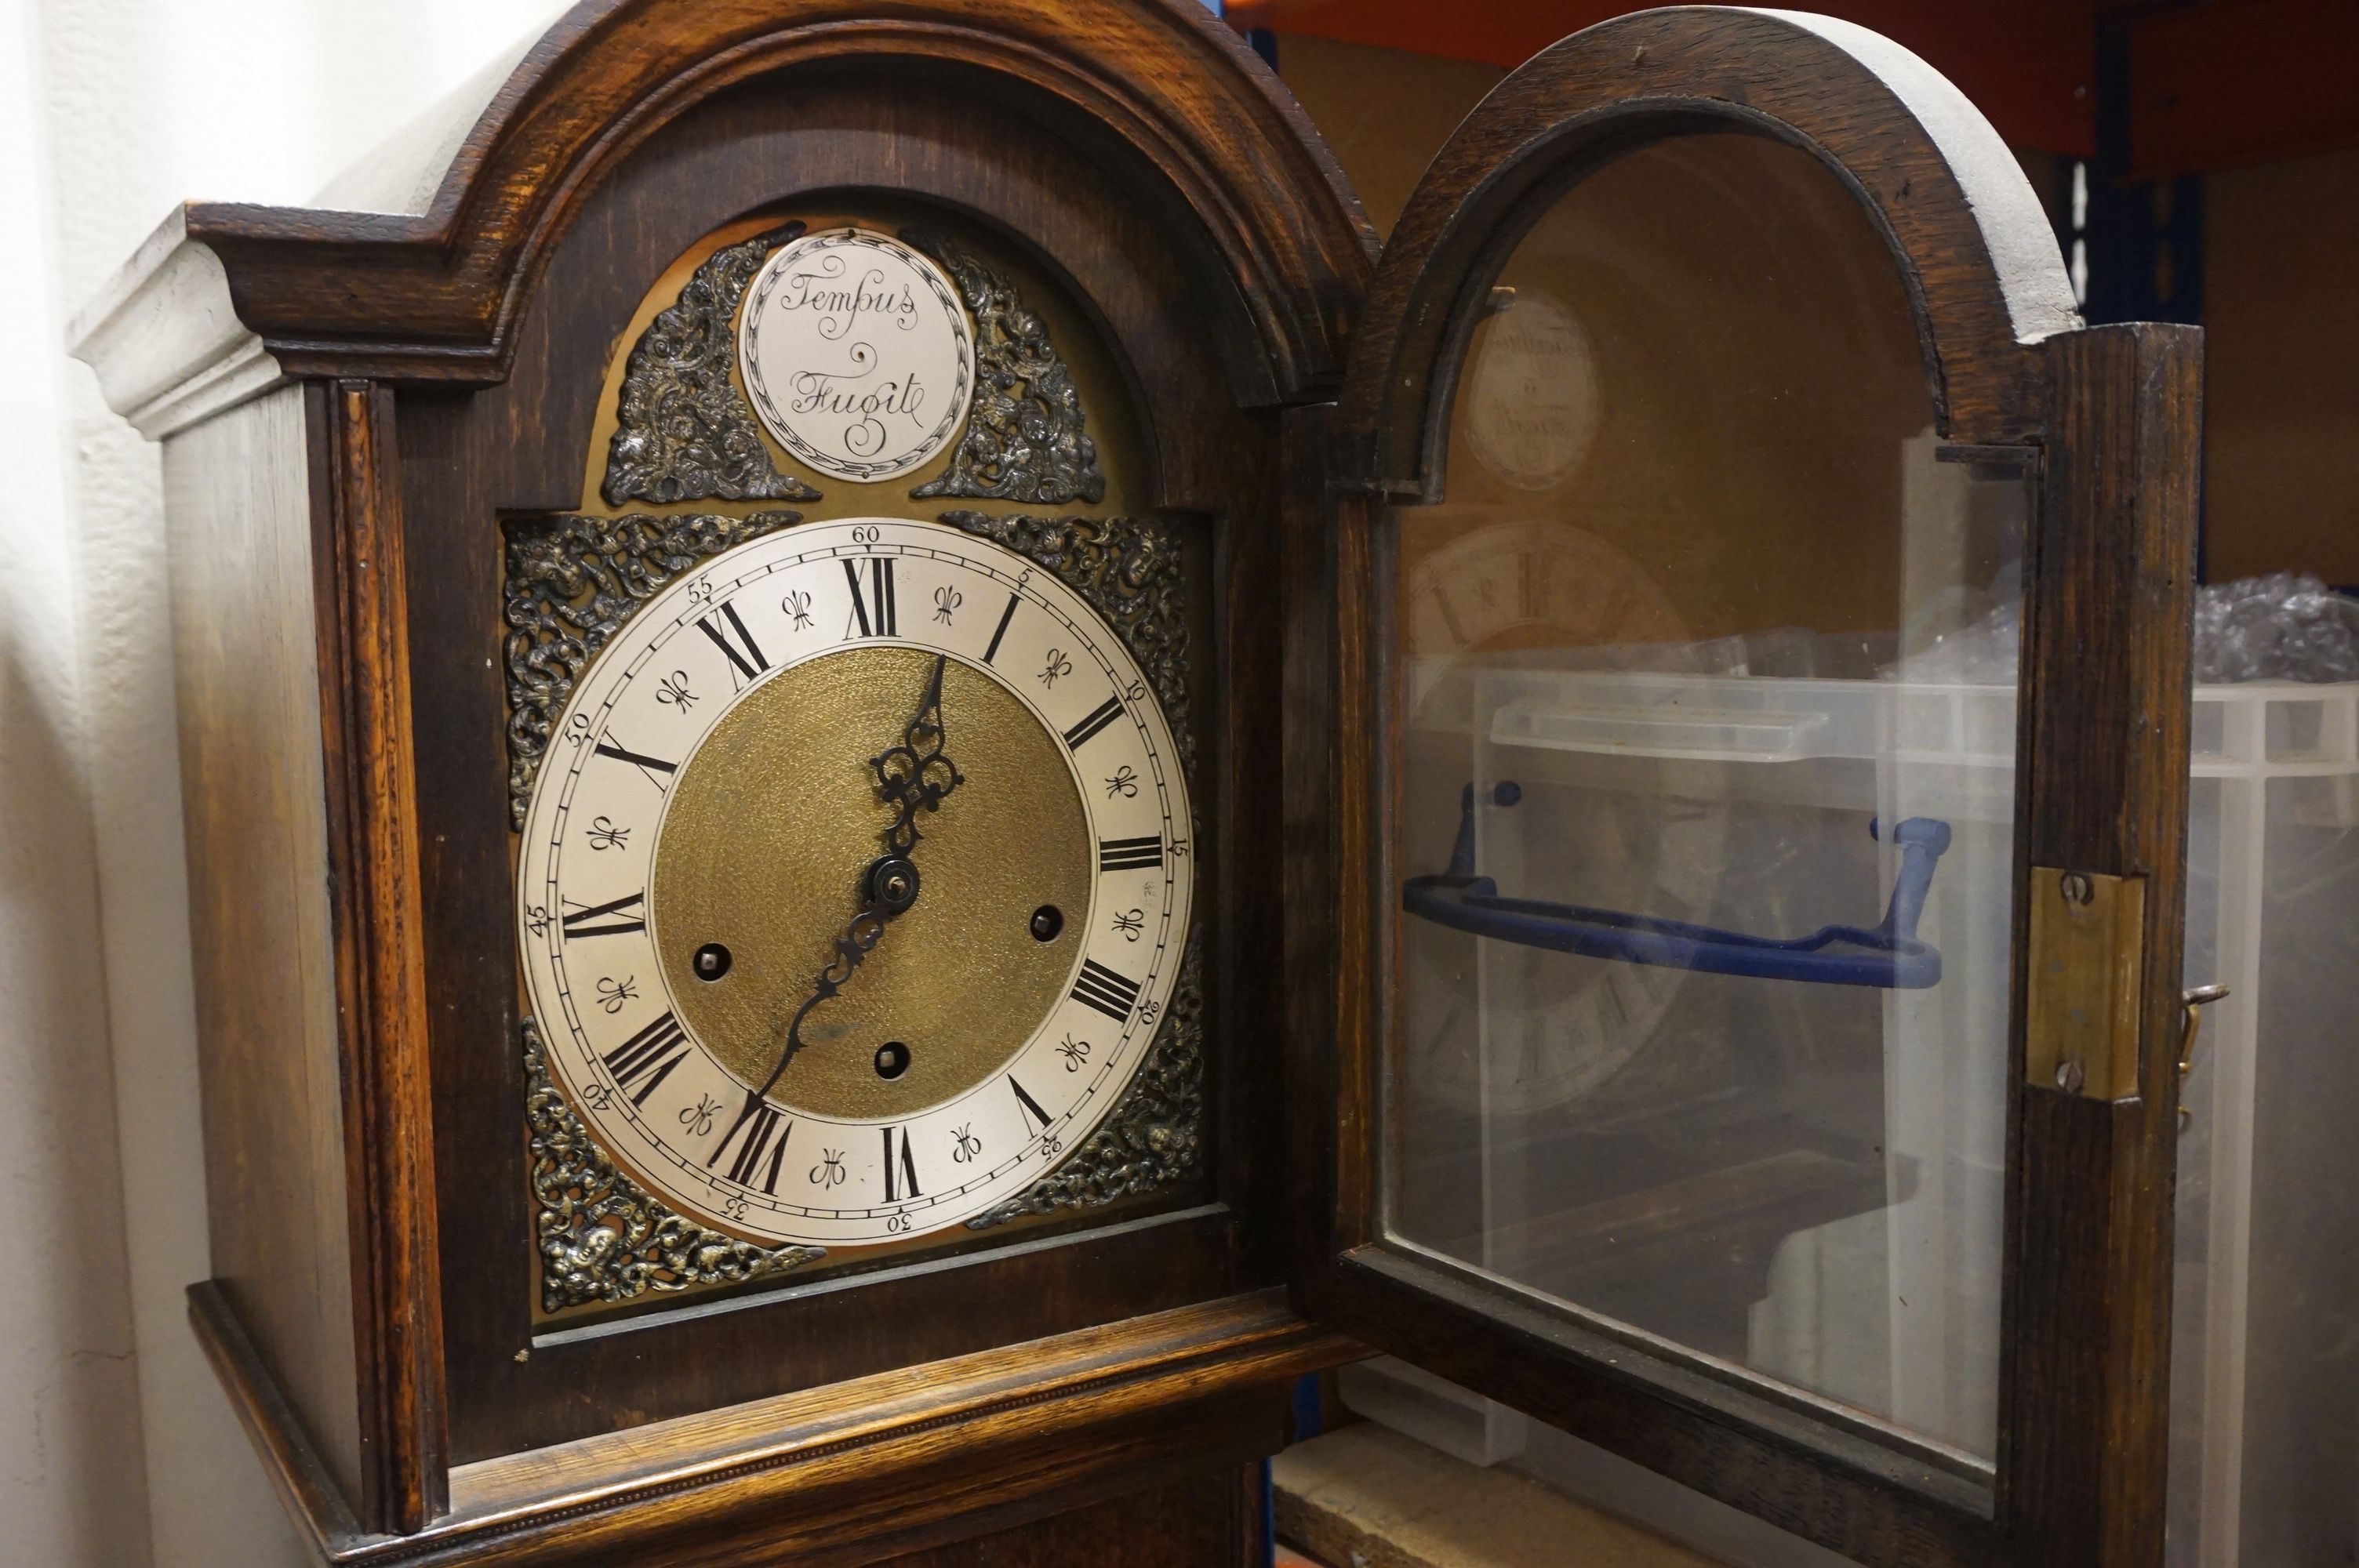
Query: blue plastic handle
{"x": 1888, "y": 956}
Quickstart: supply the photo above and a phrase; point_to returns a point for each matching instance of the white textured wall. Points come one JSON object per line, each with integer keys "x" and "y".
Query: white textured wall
{"x": 115, "y": 1448}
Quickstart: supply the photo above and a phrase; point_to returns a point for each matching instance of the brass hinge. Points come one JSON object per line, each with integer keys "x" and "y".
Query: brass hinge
{"x": 2087, "y": 983}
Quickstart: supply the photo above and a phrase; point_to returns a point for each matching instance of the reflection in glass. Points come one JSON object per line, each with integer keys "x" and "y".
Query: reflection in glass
{"x": 1704, "y": 802}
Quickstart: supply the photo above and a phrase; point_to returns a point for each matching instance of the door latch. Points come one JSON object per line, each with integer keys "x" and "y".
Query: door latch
{"x": 2087, "y": 981}
{"x": 2195, "y": 1000}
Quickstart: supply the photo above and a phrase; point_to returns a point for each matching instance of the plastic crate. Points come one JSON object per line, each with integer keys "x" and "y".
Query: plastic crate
{"x": 2265, "y": 1376}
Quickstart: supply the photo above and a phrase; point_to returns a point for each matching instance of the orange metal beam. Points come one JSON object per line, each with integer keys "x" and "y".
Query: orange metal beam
{"x": 2241, "y": 82}
{"x": 2027, "y": 64}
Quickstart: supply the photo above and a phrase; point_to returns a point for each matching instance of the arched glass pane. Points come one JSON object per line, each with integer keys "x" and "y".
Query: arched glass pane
{"x": 1703, "y": 806}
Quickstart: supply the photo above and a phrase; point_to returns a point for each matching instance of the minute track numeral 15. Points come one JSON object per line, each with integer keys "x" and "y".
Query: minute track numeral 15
{"x": 873, "y": 611}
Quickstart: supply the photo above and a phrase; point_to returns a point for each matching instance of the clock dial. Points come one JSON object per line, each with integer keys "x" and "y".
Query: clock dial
{"x": 856, "y": 882}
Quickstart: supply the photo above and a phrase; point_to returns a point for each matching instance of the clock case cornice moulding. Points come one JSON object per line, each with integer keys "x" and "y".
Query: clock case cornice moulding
{"x": 226, "y": 299}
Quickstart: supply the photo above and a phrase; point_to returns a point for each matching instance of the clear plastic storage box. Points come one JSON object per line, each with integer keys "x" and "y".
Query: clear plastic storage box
{"x": 1769, "y": 825}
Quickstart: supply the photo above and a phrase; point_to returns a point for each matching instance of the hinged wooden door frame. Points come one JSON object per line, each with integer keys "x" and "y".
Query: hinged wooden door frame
{"x": 2102, "y": 424}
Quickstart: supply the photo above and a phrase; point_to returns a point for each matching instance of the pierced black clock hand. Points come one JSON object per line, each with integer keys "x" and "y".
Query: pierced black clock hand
{"x": 915, "y": 775}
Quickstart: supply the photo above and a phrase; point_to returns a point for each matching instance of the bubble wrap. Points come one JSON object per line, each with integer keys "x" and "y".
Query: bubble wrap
{"x": 2286, "y": 626}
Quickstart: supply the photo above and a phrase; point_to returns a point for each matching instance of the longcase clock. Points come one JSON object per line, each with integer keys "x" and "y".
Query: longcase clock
{"x": 900, "y": 787}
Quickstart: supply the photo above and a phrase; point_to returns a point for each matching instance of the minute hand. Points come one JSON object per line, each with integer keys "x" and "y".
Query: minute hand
{"x": 914, "y": 776}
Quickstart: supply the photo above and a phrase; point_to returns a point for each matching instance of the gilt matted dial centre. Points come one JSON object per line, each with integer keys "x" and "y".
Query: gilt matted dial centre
{"x": 854, "y": 882}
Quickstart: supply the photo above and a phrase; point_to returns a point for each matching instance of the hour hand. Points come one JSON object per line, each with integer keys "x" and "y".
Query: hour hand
{"x": 918, "y": 773}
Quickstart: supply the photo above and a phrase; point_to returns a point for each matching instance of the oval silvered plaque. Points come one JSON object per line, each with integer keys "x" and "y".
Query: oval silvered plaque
{"x": 858, "y": 354}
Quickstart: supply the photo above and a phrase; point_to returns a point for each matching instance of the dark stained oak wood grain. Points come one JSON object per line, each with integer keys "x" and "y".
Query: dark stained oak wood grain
{"x": 360, "y": 400}
{"x": 238, "y": 502}
{"x": 1214, "y": 149}
{"x": 901, "y": 1461}
{"x": 359, "y": 555}
{"x": 1971, "y": 244}
{"x": 2084, "y": 1390}
{"x": 1212, "y": 1521}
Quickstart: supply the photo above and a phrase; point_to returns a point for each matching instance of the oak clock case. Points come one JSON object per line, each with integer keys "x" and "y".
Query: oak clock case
{"x": 730, "y": 1245}
{"x": 520, "y": 1251}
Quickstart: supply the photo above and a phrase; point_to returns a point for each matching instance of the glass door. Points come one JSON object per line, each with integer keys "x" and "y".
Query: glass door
{"x": 1757, "y": 684}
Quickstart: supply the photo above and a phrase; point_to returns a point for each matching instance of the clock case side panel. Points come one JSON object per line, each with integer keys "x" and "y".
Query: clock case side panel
{"x": 286, "y": 588}
{"x": 2100, "y": 422}
{"x": 1098, "y": 223}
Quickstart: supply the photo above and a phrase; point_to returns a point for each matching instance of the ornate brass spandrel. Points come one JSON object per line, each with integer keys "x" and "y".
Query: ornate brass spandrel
{"x": 1024, "y": 440}
{"x": 573, "y": 581}
{"x": 601, "y": 1237}
{"x": 1154, "y": 1136}
{"x": 1129, "y": 572}
{"x": 684, "y": 430}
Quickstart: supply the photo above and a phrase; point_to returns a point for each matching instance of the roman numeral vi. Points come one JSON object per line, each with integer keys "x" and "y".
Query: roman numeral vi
{"x": 906, "y": 1184}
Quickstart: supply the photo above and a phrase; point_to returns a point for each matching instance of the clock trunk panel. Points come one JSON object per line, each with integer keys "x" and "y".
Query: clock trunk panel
{"x": 1175, "y": 460}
